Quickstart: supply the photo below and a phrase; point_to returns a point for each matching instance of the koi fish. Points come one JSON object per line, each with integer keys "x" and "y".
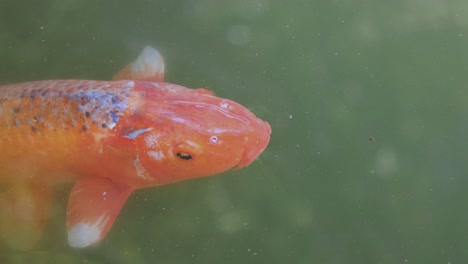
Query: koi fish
{"x": 111, "y": 138}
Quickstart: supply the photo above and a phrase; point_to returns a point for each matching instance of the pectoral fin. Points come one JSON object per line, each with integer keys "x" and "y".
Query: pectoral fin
{"x": 149, "y": 66}
{"x": 24, "y": 212}
{"x": 92, "y": 208}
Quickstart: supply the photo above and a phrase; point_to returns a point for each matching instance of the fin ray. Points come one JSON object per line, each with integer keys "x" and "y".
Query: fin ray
{"x": 92, "y": 208}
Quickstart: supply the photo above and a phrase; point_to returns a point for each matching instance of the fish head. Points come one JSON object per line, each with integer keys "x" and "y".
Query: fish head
{"x": 190, "y": 133}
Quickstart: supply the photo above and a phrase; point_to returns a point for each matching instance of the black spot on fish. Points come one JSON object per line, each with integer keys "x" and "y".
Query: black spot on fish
{"x": 87, "y": 114}
{"x": 103, "y": 125}
{"x": 34, "y": 129}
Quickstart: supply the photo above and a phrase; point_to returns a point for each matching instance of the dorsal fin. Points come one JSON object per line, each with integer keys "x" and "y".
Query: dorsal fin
{"x": 149, "y": 66}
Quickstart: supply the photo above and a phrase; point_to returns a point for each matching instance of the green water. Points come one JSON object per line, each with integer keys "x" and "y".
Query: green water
{"x": 326, "y": 75}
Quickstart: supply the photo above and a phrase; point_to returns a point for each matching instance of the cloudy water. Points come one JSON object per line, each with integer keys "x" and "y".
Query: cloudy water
{"x": 368, "y": 104}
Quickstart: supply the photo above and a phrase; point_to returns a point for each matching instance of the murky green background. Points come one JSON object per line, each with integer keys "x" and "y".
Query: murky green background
{"x": 327, "y": 75}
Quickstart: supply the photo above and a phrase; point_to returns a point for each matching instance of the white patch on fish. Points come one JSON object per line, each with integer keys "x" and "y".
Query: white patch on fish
{"x": 216, "y": 130}
{"x": 152, "y": 141}
{"x": 191, "y": 143}
{"x": 224, "y": 105}
{"x": 85, "y": 234}
{"x": 157, "y": 155}
{"x": 140, "y": 170}
{"x": 136, "y": 133}
{"x": 129, "y": 84}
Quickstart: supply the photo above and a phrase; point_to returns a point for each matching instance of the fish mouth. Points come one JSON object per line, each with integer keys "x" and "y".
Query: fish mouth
{"x": 257, "y": 146}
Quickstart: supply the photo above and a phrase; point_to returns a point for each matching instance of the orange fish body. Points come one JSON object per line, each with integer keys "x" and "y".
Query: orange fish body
{"x": 112, "y": 137}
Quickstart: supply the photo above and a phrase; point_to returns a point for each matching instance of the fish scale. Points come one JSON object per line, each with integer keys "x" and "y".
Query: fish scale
{"x": 63, "y": 104}
{"x": 48, "y": 120}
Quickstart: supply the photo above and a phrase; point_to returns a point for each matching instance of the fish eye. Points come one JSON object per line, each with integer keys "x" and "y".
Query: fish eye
{"x": 184, "y": 156}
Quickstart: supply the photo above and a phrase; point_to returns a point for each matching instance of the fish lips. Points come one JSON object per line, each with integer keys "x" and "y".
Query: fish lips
{"x": 255, "y": 147}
